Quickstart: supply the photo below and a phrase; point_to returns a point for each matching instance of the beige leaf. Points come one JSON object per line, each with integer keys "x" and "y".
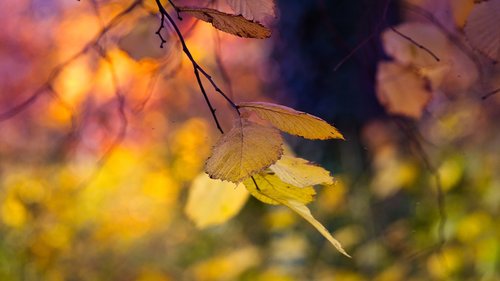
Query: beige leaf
{"x": 482, "y": 28}
{"x": 255, "y": 10}
{"x": 292, "y": 121}
{"x": 300, "y": 172}
{"x": 234, "y": 24}
{"x": 212, "y": 202}
{"x": 246, "y": 149}
{"x": 401, "y": 90}
{"x": 268, "y": 188}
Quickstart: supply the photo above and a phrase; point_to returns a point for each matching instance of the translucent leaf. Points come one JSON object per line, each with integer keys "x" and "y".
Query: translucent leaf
{"x": 212, "y": 202}
{"x": 401, "y": 90}
{"x": 482, "y": 28}
{"x": 268, "y": 188}
{"x": 234, "y": 24}
{"x": 256, "y": 10}
{"x": 304, "y": 212}
{"x": 300, "y": 172}
{"x": 246, "y": 149}
{"x": 292, "y": 121}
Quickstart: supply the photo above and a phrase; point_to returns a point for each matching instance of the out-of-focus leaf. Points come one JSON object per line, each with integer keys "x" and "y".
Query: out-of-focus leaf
{"x": 142, "y": 42}
{"x": 270, "y": 189}
{"x": 246, "y": 149}
{"x": 401, "y": 90}
{"x": 300, "y": 172}
{"x": 255, "y": 10}
{"x": 292, "y": 121}
{"x": 212, "y": 202}
{"x": 407, "y": 53}
{"x": 482, "y": 28}
{"x": 234, "y": 24}
{"x": 229, "y": 265}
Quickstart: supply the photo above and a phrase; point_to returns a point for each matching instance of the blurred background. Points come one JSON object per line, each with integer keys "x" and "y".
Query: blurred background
{"x": 102, "y": 133}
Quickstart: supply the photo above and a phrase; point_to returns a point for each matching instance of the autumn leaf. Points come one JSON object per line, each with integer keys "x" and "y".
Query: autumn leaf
{"x": 300, "y": 172}
{"x": 401, "y": 90}
{"x": 212, "y": 202}
{"x": 482, "y": 28}
{"x": 292, "y": 121}
{"x": 234, "y": 24}
{"x": 246, "y": 149}
{"x": 255, "y": 10}
{"x": 270, "y": 189}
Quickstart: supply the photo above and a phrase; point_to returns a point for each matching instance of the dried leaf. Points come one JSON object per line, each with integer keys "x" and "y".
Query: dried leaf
{"x": 246, "y": 149}
{"x": 482, "y": 28}
{"x": 234, "y": 24}
{"x": 300, "y": 172}
{"x": 270, "y": 189}
{"x": 255, "y": 10}
{"x": 292, "y": 121}
{"x": 212, "y": 202}
{"x": 401, "y": 90}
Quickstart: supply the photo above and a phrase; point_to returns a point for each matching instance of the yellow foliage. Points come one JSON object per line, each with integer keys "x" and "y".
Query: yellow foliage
{"x": 212, "y": 202}
{"x": 245, "y": 150}
{"x": 228, "y": 266}
{"x": 292, "y": 121}
{"x": 300, "y": 172}
{"x": 14, "y": 213}
{"x": 270, "y": 189}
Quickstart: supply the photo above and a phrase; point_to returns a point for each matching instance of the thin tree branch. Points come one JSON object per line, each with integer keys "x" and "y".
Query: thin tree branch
{"x": 367, "y": 39}
{"x": 496, "y": 91}
{"x": 416, "y": 43}
{"x": 56, "y": 71}
{"x": 196, "y": 67}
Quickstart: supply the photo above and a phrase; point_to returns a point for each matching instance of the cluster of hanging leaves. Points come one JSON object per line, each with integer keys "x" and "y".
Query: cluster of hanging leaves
{"x": 251, "y": 156}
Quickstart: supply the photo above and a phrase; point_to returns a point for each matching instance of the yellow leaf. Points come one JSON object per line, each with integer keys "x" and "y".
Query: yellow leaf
{"x": 234, "y": 24}
{"x": 292, "y": 121}
{"x": 300, "y": 172}
{"x": 268, "y": 188}
{"x": 304, "y": 212}
{"x": 246, "y": 149}
{"x": 212, "y": 202}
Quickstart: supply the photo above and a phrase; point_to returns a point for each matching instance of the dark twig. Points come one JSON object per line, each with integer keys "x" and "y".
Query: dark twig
{"x": 416, "y": 43}
{"x": 196, "y": 67}
{"x": 496, "y": 91}
{"x": 367, "y": 39}
{"x": 177, "y": 10}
